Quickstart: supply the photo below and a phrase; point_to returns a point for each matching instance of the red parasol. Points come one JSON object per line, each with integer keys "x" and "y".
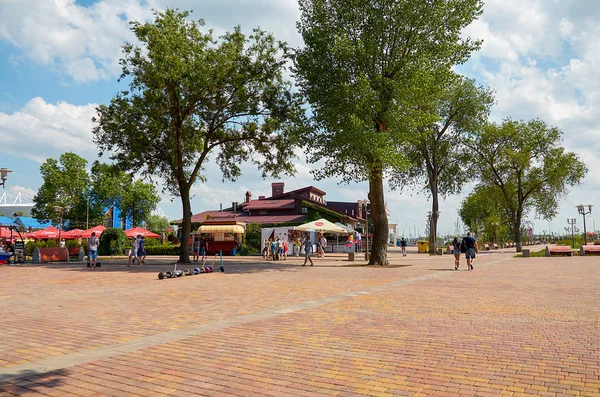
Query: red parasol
{"x": 88, "y": 233}
{"x": 136, "y": 231}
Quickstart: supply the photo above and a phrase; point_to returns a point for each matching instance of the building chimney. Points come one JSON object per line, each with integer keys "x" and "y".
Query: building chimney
{"x": 234, "y": 205}
{"x": 248, "y": 196}
{"x": 277, "y": 188}
{"x": 220, "y": 206}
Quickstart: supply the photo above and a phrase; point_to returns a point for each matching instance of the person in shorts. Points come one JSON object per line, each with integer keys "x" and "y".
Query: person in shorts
{"x": 456, "y": 252}
{"x": 307, "y": 249}
{"x": 403, "y": 245}
{"x": 141, "y": 250}
{"x": 133, "y": 252}
{"x": 93, "y": 243}
{"x": 472, "y": 250}
{"x": 203, "y": 244}
{"x": 196, "y": 249}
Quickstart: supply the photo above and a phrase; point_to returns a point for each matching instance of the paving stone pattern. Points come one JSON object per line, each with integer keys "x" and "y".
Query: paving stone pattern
{"x": 513, "y": 326}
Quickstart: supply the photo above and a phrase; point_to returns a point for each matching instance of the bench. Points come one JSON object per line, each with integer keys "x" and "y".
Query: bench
{"x": 76, "y": 251}
{"x": 559, "y": 250}
{"x": 486, "y": 247}
{"x": 589, "y": 250}
{"x": 495, "y": 246}
{"x": 50, "y": 255}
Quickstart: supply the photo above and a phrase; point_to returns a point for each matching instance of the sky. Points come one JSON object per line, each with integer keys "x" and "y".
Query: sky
{"x": 59, "y": 60}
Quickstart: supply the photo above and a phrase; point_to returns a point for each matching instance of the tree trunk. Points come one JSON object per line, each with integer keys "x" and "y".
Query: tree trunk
{"x": 433, "y": 222}
{"x": 184, "y": 256}
{"x": 380, "y": 222}
{"x": 517, "y": 232}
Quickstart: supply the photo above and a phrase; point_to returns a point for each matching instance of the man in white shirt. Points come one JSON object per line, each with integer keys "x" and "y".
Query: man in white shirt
{"x": 93, "y": 244}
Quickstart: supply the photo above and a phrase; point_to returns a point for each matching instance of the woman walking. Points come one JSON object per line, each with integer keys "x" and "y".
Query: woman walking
{"x": 456, "y": 252}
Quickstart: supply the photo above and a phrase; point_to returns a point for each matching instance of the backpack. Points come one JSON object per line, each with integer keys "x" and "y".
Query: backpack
{"x": 463, "y": 246}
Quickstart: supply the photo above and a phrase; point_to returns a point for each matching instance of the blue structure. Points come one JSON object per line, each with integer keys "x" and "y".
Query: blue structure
{"x": 114, "y": 219}
{"x": 31, "y": 223}
{"x": 6, "y": 221}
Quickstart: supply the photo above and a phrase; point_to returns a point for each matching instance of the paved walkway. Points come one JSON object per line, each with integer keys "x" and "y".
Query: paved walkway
{"x": 513, "y": 326}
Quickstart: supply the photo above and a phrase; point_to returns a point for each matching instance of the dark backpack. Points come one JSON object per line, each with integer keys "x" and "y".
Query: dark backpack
{"x": 463, "y": 246}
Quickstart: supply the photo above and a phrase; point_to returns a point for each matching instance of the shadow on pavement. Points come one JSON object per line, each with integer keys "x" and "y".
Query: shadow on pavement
{"x": 28, "y": 381}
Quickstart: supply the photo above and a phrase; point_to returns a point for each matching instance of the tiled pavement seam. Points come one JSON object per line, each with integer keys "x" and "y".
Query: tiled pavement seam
{"x": 112, "y": 350}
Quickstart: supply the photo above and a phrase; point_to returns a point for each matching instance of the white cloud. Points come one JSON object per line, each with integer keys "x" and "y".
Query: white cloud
{"x": 82, "y": 42}
{"x": 41, "y": 130}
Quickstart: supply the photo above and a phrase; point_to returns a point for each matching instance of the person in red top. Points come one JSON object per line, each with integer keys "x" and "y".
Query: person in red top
{"x": 286, "y": 247}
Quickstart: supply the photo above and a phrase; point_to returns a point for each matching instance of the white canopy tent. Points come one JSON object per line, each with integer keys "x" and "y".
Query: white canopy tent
{"x": 321, "y": 225}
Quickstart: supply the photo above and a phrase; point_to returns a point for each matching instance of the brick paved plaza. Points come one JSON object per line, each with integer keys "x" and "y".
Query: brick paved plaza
{"x": 513, "y": 326}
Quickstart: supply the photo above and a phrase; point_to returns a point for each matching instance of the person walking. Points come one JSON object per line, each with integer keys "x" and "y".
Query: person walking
{"x": 203, "y": 248}
{"x": 322, "y": 245}
{"x": 196, "y": 248}
{"x": 307, "y": 249}
{"x": 141, "y": 249}
{"x": 472, "y": 250}
{"x": 403, "y": 245}
{"x": 93, "y": 243}
{"x": 133, "y": 252}
{"x": 286, "y": 248}
{"x": 456, "y": 252}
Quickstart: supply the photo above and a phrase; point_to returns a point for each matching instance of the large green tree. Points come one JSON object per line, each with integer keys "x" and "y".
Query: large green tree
{"x": 64, "y": 190}
{"x": 139, "y": 200}
{"x": 529, "y": 166}
{"x": 366, "y": 68}
{"x": 157, "y": 223}
{"x": 113, "y": 187}
{"x": 437, "y": 165}
{"x": 191, "y": 96}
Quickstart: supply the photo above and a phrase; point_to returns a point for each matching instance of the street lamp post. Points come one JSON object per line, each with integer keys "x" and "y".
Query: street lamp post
{"x": 61, "y": 209}
{"x": 4, "y": 175}
{"x": 496, "y": 224}
{"x": 572, "y": 222}
{"x": 365, "y": 203}
{"x": 582, "y": 211}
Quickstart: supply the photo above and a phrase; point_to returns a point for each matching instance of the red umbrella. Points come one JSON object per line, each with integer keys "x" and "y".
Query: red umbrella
{"x": 136, "y": 231}
{"x": 50, "y": 232}
{"x": 75, "y": 233}
{"x": 88, "y": 233}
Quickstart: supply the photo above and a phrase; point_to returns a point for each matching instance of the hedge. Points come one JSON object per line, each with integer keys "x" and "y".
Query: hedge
{"x": 168, "y": 249}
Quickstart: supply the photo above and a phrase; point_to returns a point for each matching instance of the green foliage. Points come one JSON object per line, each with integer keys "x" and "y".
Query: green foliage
{"x": 167, "y": 249}
{"x": 369, "y": 70}
{"x": 525, "y": 166}
{"x": 66, "y": 183}
{"x": 152, "y": 242}
{"x": 113, "y": 241}
{"x": 193, "y": 97}
{"x": 157, "y": 223}
{"x": 252, "y": 237}
{"x": 72, "y": 243}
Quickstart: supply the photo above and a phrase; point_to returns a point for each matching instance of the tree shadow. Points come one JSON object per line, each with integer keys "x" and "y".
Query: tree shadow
{"x": 29, "y": 380}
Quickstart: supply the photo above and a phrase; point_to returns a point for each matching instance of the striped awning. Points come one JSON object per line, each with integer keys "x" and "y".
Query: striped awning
{"x": 221, "y": 229}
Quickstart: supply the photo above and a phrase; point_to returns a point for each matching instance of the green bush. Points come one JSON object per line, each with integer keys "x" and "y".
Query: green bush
{"x": 167, "y": 249}
{"x": 72, "y": 243}
{"x": 113, "y": 241}
{"x": 152, "y": 242}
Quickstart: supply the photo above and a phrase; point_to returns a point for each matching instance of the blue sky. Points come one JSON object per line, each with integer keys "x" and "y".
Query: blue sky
{"x": 58, "y": 60}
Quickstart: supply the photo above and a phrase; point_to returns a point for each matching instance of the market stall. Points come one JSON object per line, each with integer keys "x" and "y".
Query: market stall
{"x": 222, "y": 234}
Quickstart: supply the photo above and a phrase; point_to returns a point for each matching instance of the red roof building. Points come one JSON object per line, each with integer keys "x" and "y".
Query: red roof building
{"x": 294, "y": 207}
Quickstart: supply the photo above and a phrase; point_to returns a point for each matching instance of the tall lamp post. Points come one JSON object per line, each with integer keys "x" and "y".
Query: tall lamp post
{"x": 572, "y": 222}
{"x": 582, "y": 211}
{"x": 366, "y": 203}
{"x": 4, "y": 175}
{"x": 60, "y": 210}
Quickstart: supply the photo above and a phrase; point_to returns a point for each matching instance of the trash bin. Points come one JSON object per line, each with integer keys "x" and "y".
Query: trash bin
{"x": 423, "y": 246}
{"x": 233, "y": 251}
